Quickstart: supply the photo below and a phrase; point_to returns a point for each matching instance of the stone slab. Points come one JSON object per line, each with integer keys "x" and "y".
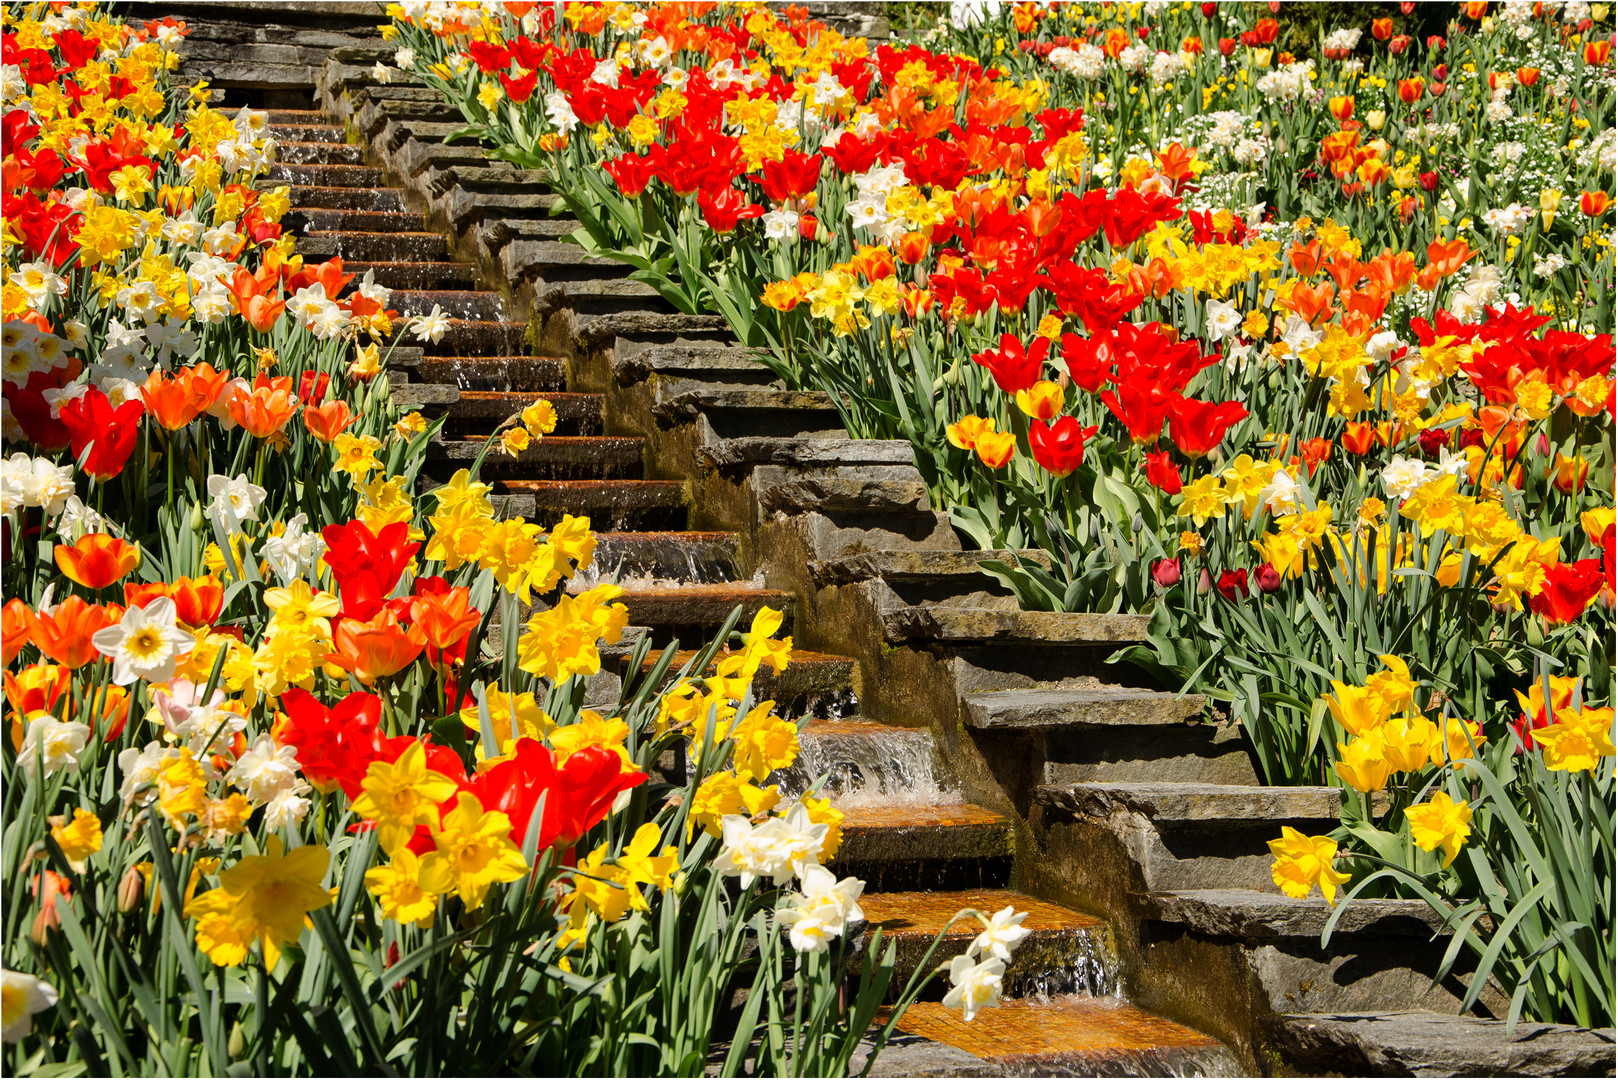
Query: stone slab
{"x": 1431, "y": 1044}
{"x": 989, "y": 625}
{"x": 1250, "y": 915}
{"x": 749, "y": 451}
{"x": 1050, "y": 708}
{"x": 1196, "y": 804}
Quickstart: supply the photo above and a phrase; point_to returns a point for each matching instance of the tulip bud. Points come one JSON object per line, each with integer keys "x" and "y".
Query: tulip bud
{"x": 1261, "y": 58}
{"x": 1598, "y": 12}
{"x": 196, "y": 517}
{"x": 1208, "y": 10}
{"x": 1166, "y": 572}
{"x": 1227, "y": 46}
{"x": 1268, "y": 578}
{"x": 1527, "y": 76}
{"x": 1549, "y": 200}
{"x": 1440, "y": 72}
{"x": 1204, "y": 582}
{"x": 807, "y": 226}
{"x": 1429, "y": 181}
{"x": 1399, "y": 44}
{"x": 1435, "y": 42}
{"x": 131, "y": 887}
{"x": 1375, "y": 119}
{"x": 1341, "y": 107}
{"x": 1437, "y": 89}
{"x": 47, "y": 922}
{"x": 236, "y": 1045}
{"x": 1408, "y": 7}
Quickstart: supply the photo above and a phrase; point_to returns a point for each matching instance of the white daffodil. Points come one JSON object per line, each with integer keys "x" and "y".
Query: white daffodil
{"x": 53, "y": 743}
{"x": 431, "y": 326}
{"x": 145, "y": 643}
{"x": 1003, "y": 933}
{"x": 21, "y": 997}
{"x": 976, "y": 985}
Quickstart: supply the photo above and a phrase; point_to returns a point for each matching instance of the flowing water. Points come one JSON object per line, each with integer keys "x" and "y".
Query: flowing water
{"x": 866, "y": 764}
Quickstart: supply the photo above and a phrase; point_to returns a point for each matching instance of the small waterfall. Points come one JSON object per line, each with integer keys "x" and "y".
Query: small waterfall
{"x": 866, "y": 764}
{"x": 1081, "y": 960}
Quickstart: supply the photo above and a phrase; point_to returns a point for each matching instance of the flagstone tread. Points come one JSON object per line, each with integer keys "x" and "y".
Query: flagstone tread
{"x": 902, "y": 833}
{"x": 1071, "y": 1035}
{"x": 1170, "y": 804}
{"x": 686, "y": 604}
{"x": 1418, "y": 1043}
{"x": 907, "y": 565}
{"x": 802, "y": 453}
{"x": 499, "y": 373}
{"x": 706, "y": 363}
{"x": 597, "y": 330}
{"x": 1252, "y": 915}
{"x": 1061, "y": 707}
{"x": 1009, "y": 627}
{"x": 925, "y": 914}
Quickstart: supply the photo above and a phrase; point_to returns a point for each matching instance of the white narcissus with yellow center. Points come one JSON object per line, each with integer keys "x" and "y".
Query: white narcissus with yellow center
{"x": 21, "y": 996}
{"x": 144, "y": 644}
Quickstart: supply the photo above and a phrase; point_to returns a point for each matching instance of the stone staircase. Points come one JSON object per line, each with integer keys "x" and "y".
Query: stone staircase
{"x": 982, "y": 755}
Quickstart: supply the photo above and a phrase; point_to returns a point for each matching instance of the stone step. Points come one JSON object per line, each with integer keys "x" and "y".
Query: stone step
{"x": 1028, "y": 629}
{"x": 1065, "y": 952}
{"x": 899, "y": 568}
{"x": 497, "y": 231}
{"x": 865, "y": 763}
{"x": 296, "y": 117}
{"x": 553, "y": 261}
{"x": 308, "y": 219}
{"x": 615, "y": 505}
{"x": 314, "y": 196}
{"x": 677, "y": 364}
{"x": 946, "y": 845}
{"x": 437, "y": 126}
{"x": 1171, "y": 805}
{"x": 1420, "y": 1043}
{"x": 1249, "y": 915}
{"x": 865, "y": 490}
{"x": 1107, "y": 706}
{"x": 1070, "y": 1035}
{"x": 348, "y": 176}
{"x": 742, "y": 455}
{"x": 497, "y": 373}
{"x": 465, "y": 204}
{"x": 595, "y": 331}
{"x": 476, "y": 304}
{"x": 565, "y": 457}
{"x": 285, "y": 133}
{"x": 375, "y": 246}
{"x": 1111, "y": 841}
{"x": 433, "y": 397}
{"x": 418, "y": 275}
{"x": 319, "y": 153}
{"x": 600, "y": 296}
{"x": 484, "y": 410}
{"x": 813, "y": 684}
{"x": 742, "y": 412}
{"x": 692, "y": 612}
{"x": 471, "y": 337}
{"x": 694, "y": 557}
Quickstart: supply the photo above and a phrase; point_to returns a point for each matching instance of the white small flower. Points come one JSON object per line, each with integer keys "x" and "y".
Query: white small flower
{"x": 405, "y": 58}
{"x": 781, "y": 225}
{"x": 265, "y": 770}
{"x": 432, "y": 326}
{"x": 1003, "y": 933}
{"x": 287, "y": 807}
{"x": 1280, "y": 495}
{"x": 382, "y": 73}
{"x": 234, "y": 499}
{"x": 140, "y": 768}
{"x": 1222, "y": 319}
{"x": 559, "y": 112}
{"x": 976, "y": 985}
{"x": 144, "y": 644}
{"x": 57, "y": 743}
{"x": 1402, "y": 476}
{"x": 292, "y": 553}
{"x": 21, "y": 997}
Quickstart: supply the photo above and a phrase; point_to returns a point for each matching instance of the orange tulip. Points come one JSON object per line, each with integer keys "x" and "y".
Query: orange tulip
{"x": 445, "y": 618}
{"x": 1476, "y": 9}
{"x": 913, "y": 247}
{"x": 995, "y": 448}
{"x": 326, "y": 422}
{"x": 1528, "y": 76}
{"x": 109, "y": 711}
{"x": 1410, "y": 89}
{"x": 265, "y": 409}
{"x": 373, "y": 648}
{"x": 1596, "y": 53}
{"x": 197, "y": 601}
{"x": 1567, "y": 474}
{"x": 203, "y": 385}
{"x": 1382, "y": 29}
{"x": 1311, "y": 305}
{"x": 169, "y": 401}
{"x": 1359, "y": 437}
{"x": 1341, "y": 107}
{"x": 1305, "y": 259}
{"x": 97, "y": 560}
{"x": 16, "y": 629}
{"x": 64, "y": 635}
{"x": 1449, "y": 257}
{"x": 34, "y": 691}
{"x": 1594, "y": 203}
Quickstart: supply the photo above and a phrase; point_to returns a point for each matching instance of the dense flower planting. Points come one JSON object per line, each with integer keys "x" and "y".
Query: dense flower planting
{"x": 273, "y": 800}
{"x": 1308, "y": 356}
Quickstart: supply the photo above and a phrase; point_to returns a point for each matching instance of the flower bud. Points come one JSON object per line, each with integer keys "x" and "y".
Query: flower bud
{"x": 1375, "y": 119}
{"x": 236, "y": 1045}
{"x": 46, "y": 922}
{"x": 1166, "y": 572}
{"x": 1268, "y": 578}
{"x": 131, "y": 887}
{"x": 1204, "y": 582}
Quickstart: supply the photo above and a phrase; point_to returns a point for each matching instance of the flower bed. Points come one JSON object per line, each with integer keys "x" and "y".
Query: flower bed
{"x": 275, "y": 800}
{"x": 1310, "y": 357}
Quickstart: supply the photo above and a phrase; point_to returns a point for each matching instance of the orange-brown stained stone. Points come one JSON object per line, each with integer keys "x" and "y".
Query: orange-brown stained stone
{"x": 901, "y": 817}
{"x": 1071, "y": 1027}
{"x": 924, "y": 914}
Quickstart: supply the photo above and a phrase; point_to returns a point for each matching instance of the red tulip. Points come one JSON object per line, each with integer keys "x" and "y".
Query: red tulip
{"x": 725, "y": 210}
{"x": 793, "y": 177}
{"x": 1013, "y": 367}
{"x": 1198, "y": 426}
{"x": 1058, "y": 447}
{"x": 1162, "y": 473}
{"x": 1568, "y": 590}
{"x": 367, "y": 565}
{"x": 108, "y": 434}
{"x": 1166, "y": 572}
{"x": 1233, "y": 585}
{"x": 335, "y": 746}
{"x": 1267, "y": 578}
{"x": 1141, "y": 405}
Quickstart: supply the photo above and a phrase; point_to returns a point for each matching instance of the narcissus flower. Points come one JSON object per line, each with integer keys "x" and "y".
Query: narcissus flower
{"x": 145, "y": 643}
{"x": 402, "y": 794}
{"x": 473, "y": 852}
{"x": 1578, "y": 740}
{"x": 1440, "y": 822}
{"x": 97, "y": 560}
{"x": 1302, "y": 862}
{"x": 264, "y": 898}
